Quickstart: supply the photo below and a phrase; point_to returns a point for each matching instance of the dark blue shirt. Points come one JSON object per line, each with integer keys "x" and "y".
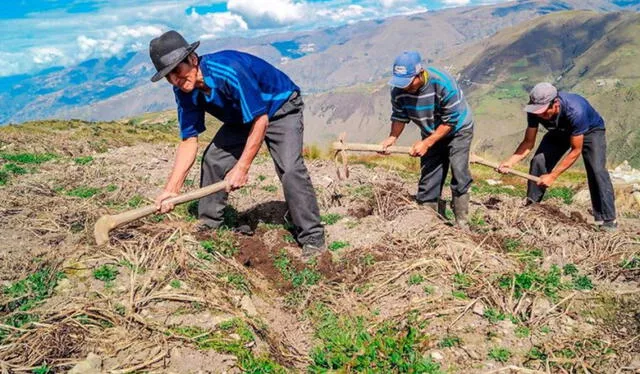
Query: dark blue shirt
{"x": 243, "y": 87}
{"x": 576, "y": 117}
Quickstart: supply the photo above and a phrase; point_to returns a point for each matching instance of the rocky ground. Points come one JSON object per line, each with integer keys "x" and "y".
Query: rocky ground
{"x": 530, "y": 290}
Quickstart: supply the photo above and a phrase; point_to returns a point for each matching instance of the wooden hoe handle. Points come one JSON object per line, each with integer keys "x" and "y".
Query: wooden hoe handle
{"x": 479, "y": 160}
{"x": 109, "y": 222}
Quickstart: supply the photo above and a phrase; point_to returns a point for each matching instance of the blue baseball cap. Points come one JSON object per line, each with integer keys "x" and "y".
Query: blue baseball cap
{"x": 405, "y": 68}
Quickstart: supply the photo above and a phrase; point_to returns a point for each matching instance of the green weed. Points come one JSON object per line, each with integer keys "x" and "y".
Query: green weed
{"x": 563, "y": 193}
{"x": 28, "y": 158}
{"x": 30, "y": 291}
{"x": 346, "y": 344}
{"x": 106, "y": 273}
{"x": 298, "y": 278}
{"x": 135, "y": 201}
{"x": 511, "y": 245}
{"x": 83, "y": 160}
{"x": 500, "y": 354}
{"x": 336, "y": 245}
{"x": 522, "y": 331}
{"x": 4, "y": 177}
{"x": 175, "y": 283}
{"x": 532, "y": 280}
{"x": 493, "y": 315}
{"x": 223, "y": 242}
{"x": 43, "y": 369}
{"x": 83, "y": 192}
{"x": 415, "y": 279}
{"x": 450, "y": 341}
{"x": 270, "y": 188}
{"x": 238, "y": 281}
{"x": 14, "y": 169}
{"x": 330, "y": 219}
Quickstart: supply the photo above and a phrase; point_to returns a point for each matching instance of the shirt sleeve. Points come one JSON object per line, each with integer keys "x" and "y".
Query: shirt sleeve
{"x": 532, "y": 121}
{"x": 242, "y": 87}
{"x": 190, "y": 115}
{"x": 398, "y": 113}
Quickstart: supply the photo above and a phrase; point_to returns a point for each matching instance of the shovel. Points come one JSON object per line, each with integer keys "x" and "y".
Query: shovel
{"x": 109, "y": 222}
{"x": 479, "y": 160}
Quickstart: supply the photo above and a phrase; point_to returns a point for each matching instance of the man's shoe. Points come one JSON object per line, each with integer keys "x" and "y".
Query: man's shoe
{"x": 610, "y": 226}
{"x": 312, "y": 250}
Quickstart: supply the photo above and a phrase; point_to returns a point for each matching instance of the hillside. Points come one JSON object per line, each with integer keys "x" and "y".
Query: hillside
{"x": 318, "y": 60}
{"x": 532, "y": 289}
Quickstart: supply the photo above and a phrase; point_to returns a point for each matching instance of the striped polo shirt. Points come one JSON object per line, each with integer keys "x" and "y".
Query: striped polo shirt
{"x": 243, "y": 87}
{"x": 439, "y": 101}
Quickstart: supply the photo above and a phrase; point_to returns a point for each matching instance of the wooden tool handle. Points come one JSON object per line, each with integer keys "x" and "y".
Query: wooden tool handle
{"x": 364, "y": 147}
{"x": 109, "y": 222}
{"x": 479, "y": 160}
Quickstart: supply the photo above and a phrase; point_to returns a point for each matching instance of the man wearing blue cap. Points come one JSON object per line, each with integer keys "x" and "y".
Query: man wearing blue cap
{"x": 255, "y": 102}
{"x": 432, "y": 99}
{"x": 574, "y": 125}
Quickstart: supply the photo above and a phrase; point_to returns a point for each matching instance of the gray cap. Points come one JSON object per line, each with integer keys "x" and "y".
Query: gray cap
{"x": 540, "y": 97}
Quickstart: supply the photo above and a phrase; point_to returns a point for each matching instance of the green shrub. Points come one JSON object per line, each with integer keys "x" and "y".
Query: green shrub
{"x": 28, "y": 158}
{"x": 336, "y": 245}
{"x": 83, "y": 192}
{"x": 83, "y": 160}
{"x": 500, "y": 354}
{"x": 106, "y": 273}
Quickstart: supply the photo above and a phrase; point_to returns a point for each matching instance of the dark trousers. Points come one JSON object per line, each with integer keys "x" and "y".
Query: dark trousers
{"x": 451, "y": 151}
{"x": 594, "y": 152}
{"x": 284, "y": 141}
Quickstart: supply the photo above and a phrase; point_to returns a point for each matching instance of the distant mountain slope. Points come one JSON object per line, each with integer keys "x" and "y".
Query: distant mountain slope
{"x": 591, "y": 53}
{"x": 318, "y": 60}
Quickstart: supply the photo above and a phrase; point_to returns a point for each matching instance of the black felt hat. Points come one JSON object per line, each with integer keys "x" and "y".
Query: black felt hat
{"x": 167, "y": 51}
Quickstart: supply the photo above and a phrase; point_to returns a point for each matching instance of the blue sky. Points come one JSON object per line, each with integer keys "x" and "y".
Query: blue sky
{"x": 38, "y": 34}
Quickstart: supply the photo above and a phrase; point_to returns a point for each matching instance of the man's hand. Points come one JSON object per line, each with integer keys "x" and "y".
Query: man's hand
{"x": 165, "y": 207}
{"x": 237, "y": 177}
{"x": 502, "y": 169}
{"x": 419, "y": 148}
{"x": 546, "y": 180}
{"x": 388, "y": 142}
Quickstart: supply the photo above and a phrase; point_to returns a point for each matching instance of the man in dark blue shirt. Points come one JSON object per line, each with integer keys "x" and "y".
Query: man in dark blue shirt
{"x": 255, "y": 102}
{"x": 574, "y": 125}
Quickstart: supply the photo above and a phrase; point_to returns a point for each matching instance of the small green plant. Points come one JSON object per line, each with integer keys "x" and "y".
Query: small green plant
{"x": 270, "y": 188}
{"x": 631, "y": 263}
{"x": 28, "y": 292}
{"x": 522, "y": 331}
{"x": 175, "y": 283}
{"x": 545, "y": 329}
{"x": 428, "y": 290}
{"x": 204, "y": 256}
{"x": 533, "y": 280}
{"x": 415, "y": 279}
{"x": 563, "y": 193}
{"x": 28, "y": 158}
{"x": 459, "y": 294}
{"x": 368, "y": 259}
{"x": 43, "y": 369}
{"x": 347, "y": 344}
{"x": 83, "y": 192}
{"x": 4, "y": 177}
{"x": 106, "y": 273}
{"x": 450, "y": 341}
{"x": 462, "y": 280}
{"x": 261, "y": 177}
{"x": 336, "y": 245}
{"x": 330, "y": 219}
{"x": 536, "y": 353}
{"x": 570, "y": 269}
{"x": 477, "y": 220}
{"x": 119, "y": 309}
{"x": 582, "y": 282}
{"x": 135, "y": 201}
{"x": 238, "y": 281}
{"x": 304, "y": 277}
{"x": 500, "y": 354}
{"x": 83, "y": 160}
{"x": 511, "y": 245}
{"x": 15, "y": 169}
{"x": 223, "y": 242}
{"x": 288, "y": 238}
{"x": 493, "y": 315}
{"x": 111, "y": 188}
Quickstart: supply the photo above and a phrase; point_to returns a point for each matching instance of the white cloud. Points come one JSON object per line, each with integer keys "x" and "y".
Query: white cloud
{"x": 215, "y": 25}
{"x": 456, "y": 2}
{"x": 268, "y": 13}
{"x": 47, "y": 55}
{"x": 395, "y": 3}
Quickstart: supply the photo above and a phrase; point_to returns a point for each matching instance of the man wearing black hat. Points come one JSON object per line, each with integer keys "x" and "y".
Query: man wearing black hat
{"x": 573, "y": 125}
{"x": 255, "y": 102}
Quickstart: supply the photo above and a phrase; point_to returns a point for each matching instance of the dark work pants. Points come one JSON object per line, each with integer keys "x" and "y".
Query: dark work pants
{"x": 450, "y": 151}
{"x": 594, "y": 152}
{"x": 284, "y": 141}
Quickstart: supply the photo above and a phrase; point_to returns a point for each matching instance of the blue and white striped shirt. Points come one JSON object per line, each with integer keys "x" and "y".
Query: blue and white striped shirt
{"x": 439, "y": 101}
{"x": 243, "y": 87}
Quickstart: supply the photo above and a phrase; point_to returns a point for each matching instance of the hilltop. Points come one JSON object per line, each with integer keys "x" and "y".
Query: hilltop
{"x": 536, "y": 289}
